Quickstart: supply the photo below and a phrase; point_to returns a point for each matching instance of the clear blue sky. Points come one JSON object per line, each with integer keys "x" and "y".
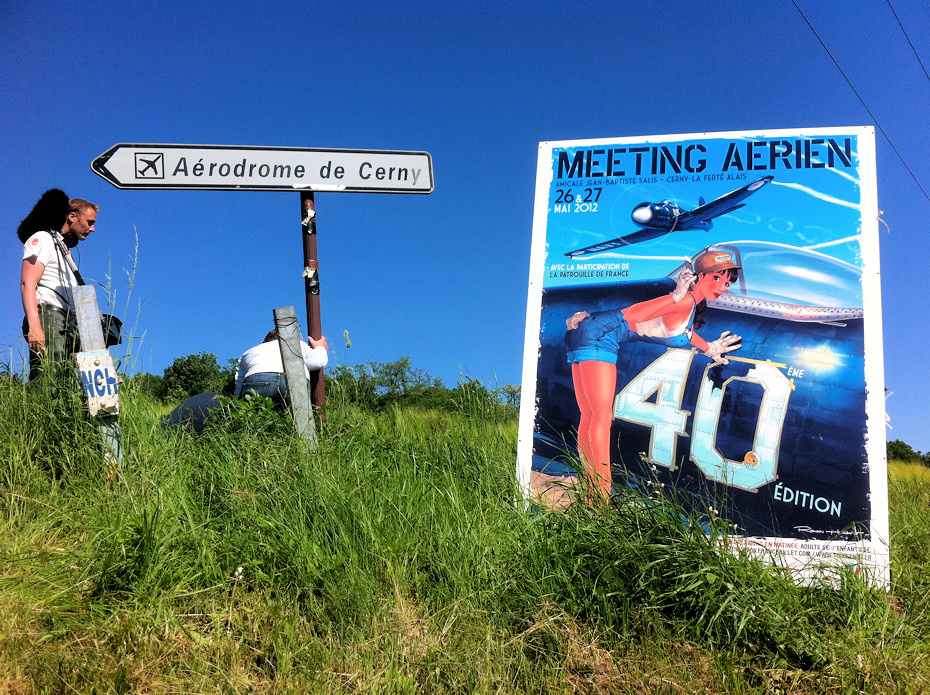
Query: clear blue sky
{"x": 441, "y": 278}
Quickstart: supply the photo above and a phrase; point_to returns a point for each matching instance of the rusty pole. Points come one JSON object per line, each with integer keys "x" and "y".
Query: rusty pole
{"x": 312, "y": 289}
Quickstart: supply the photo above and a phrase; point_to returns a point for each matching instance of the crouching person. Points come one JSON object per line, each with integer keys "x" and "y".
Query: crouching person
{"x": 260, "y": 370}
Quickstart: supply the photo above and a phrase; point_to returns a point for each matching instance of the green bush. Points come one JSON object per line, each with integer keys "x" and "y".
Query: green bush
{"x": 901, "y": 451}
{"x": 187, "y": 376}
{"x": 379, "y": 385}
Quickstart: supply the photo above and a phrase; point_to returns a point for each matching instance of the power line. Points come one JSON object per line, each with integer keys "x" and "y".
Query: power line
{"x": 861, "y": 100}
{"x": 903, "y": 31}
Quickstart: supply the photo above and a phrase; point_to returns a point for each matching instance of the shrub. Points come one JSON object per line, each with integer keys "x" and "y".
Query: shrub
{"x": 187, "y": 376}
{"x": 901, "y": 451}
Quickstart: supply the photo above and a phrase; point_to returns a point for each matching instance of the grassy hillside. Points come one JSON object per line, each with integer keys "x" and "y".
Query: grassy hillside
{"x": 393, "y": 560}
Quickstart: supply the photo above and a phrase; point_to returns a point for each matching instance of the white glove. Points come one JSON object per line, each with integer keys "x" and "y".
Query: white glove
{"x": 686, "y": 279}
{"x": 716, "y": 349}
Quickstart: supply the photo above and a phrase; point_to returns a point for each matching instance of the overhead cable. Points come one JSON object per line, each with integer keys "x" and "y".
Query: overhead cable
{"x": 861, "y": 100}
{"x": 903, "y": 31}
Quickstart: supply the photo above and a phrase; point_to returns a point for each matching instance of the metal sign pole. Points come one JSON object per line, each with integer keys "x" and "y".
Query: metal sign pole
{"x": 312, "y": 289}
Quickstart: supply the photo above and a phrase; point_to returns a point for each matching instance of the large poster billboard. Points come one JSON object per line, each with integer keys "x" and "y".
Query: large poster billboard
{"x": 704, "y": 311}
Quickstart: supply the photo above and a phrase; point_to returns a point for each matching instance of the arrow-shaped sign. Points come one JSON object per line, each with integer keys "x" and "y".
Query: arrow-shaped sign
{"x": 219, "y": 167}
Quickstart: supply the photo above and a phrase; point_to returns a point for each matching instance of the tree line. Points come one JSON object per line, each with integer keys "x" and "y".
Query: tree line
{"x": 374, "y": 385}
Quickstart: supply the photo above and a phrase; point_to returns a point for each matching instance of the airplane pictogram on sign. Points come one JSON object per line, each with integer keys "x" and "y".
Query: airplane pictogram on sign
{"x": 150, "y": 165}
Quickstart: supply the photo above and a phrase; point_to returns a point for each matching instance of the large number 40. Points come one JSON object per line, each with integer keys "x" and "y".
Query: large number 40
{"x": 654, "y": 398}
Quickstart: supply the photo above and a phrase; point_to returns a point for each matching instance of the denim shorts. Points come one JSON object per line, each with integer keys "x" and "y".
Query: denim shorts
{"x": 598, "y": 337}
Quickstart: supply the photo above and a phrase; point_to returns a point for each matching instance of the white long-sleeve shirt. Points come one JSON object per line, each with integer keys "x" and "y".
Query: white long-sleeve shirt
{"x": 266, "y": 358}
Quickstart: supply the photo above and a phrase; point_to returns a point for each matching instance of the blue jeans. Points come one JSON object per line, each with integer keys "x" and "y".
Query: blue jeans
{"x": 266, "y": 385}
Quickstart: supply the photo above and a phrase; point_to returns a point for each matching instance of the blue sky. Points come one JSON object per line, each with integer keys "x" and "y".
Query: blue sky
{"x": 441, "y": 278}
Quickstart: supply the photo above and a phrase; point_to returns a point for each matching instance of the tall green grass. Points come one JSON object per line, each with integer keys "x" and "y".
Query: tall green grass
{"x": 393, "y": 559}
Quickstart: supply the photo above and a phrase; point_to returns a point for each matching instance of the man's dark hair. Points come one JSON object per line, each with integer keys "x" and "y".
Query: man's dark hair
{"x": 50, "y": 212}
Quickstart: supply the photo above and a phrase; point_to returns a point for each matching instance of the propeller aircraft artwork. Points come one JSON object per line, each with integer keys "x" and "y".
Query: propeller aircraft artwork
{"x": 659, "y": 219}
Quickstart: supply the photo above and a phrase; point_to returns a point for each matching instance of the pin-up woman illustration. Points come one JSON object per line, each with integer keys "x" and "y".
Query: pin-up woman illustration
{"x": 594, "y": 342}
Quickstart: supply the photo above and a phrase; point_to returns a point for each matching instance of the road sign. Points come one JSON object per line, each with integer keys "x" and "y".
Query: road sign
{"x": 234, "y": 168}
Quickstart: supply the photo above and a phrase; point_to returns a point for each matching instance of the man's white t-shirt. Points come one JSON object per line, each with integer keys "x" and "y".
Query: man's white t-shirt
{"x": 54, "y": 288}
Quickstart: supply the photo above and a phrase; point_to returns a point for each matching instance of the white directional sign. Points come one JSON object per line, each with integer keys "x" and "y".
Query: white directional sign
{"x": 219, "y": 167}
